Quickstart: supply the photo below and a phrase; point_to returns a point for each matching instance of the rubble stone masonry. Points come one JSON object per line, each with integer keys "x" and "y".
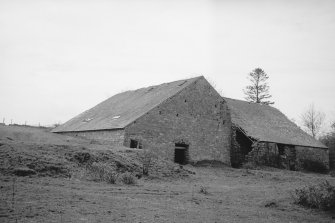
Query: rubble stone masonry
{"x": 113, "y": 137}
{"x": 196, "y": 116}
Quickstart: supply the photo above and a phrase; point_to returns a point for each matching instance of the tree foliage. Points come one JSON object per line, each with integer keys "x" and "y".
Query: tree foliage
{"x": 312, "y": 120}
{"x": 258, "y": 90}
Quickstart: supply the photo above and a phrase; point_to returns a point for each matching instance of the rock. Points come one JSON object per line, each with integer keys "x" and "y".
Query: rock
{"x": 23, "y": 171}
{"x": 271, "y": 204}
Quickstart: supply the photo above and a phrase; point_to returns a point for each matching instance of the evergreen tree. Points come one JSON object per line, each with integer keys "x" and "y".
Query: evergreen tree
{"x": 258, "y": 90}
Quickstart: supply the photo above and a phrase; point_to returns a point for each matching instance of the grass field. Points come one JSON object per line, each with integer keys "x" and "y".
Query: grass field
{"x": 58, "y": 191}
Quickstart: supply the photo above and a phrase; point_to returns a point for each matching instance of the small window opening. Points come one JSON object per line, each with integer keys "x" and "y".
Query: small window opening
{"x": 177, "y": 114}
{"x": 185, "y": 100}
{"x": 215, "y": 106}
{"x": 133, "y": 143}
{"x": 87, "y": 119}
{"x": 181, "y": 153}
{"x": 160, "y": 112}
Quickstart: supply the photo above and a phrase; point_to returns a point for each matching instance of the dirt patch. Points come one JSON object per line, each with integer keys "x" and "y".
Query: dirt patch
{"x": 22, "y": 172}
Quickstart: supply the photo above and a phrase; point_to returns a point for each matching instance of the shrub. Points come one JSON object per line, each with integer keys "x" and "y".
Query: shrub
{"x": 313, "y": 166}
{"x": 203, "y": 190}
{"x": 321, "y": 196}
{"x": 82, "y": 157}
{"x": 102, "y": 172}
{"x": 128, "y": 178}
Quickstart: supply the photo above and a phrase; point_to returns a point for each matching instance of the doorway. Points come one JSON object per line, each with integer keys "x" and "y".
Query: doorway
{"x": 181, "y": 154}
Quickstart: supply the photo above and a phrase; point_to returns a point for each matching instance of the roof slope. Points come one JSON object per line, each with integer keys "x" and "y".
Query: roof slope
{"x": 122, "y": 109}
{"x": 265, "y": 123}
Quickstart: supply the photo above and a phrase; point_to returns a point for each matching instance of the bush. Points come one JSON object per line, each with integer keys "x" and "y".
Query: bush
{"x": 313, "y": 166}
{"x": 203, "y": 190}
{"x": 128, "y": 178}
{"x": 321, "y": 196}
{"x": 102, "y": 172}
{"x": 82, "y": 157}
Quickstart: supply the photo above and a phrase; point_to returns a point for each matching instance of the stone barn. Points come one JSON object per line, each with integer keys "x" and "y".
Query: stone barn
{"x": 188, "y": 121}
{"x": 184, "y": 121}
{"x": 263, "y": 134}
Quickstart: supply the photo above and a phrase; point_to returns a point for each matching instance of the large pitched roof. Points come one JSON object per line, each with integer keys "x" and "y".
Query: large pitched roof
{"x": 266, "y": 123}
{"x": 122, "y": 109}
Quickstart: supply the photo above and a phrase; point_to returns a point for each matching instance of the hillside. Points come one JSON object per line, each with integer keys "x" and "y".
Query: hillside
{"x": 53, "y": 180}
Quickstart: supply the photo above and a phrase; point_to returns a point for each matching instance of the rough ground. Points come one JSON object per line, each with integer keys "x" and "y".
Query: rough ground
{"x": 57, "y": 189}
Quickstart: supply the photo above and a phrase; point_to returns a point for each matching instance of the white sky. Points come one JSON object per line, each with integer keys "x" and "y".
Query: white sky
{"x": 59, "y": 58}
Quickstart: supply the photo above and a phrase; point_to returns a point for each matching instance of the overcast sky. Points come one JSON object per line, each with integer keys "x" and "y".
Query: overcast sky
{"x": 59, "y": 58}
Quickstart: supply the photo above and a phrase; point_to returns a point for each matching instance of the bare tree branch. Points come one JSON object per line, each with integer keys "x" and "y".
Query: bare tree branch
{"x": 312, "y": 120}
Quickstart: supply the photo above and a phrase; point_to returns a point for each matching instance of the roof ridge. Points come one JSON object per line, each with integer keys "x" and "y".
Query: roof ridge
{"x": 152, "y": 86}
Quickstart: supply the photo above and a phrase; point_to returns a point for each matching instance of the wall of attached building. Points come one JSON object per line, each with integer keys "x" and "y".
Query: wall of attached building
{"x": 111, "y": 137}
{"x": 332, "y": 158}
{"x": 316, "y": 155}
{"x": 196, "y": 116}
{"x": 273, "y": 154}
{"x": 289, "y": 156}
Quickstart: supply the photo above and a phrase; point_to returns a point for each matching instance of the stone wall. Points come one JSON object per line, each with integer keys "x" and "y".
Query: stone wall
{"x": 236, "y": 156}
{"x": 332, "y": 157}
{"x": 197, "y": 116}
{"x": 113, "y": 137}
{"x": 318, "y": 155}
{"x": 264, "y": 153}
{"x": 288, "y": 156}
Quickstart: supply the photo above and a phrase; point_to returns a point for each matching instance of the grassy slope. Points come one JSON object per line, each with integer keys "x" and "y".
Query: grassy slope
{"x": 235, "y": 195}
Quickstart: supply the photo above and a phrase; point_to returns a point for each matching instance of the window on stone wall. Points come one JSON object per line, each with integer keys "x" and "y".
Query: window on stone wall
{"x": 133, "y": 143}
{"x": 181, "y": 154}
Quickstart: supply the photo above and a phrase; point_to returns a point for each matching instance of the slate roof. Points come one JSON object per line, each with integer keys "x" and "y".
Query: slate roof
{"x": 124, "y": 108}
{"x": 268, "y": 124}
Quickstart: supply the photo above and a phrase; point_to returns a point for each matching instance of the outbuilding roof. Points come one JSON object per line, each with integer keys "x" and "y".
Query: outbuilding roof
{"x": 268, "y": 124}
{"x": 124, "y": 108}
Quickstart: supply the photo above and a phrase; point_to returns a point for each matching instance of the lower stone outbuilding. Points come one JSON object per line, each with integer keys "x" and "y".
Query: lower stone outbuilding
{"x": 263, "y": 135}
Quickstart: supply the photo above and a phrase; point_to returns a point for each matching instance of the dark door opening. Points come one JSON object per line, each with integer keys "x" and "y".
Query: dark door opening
{"x": 244, "y": 142}
{"x": 181, "y": 155}
{"x": 287, "y": 156}
{"x": 133, "y": 143}
{"x": 239, "y": 153}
